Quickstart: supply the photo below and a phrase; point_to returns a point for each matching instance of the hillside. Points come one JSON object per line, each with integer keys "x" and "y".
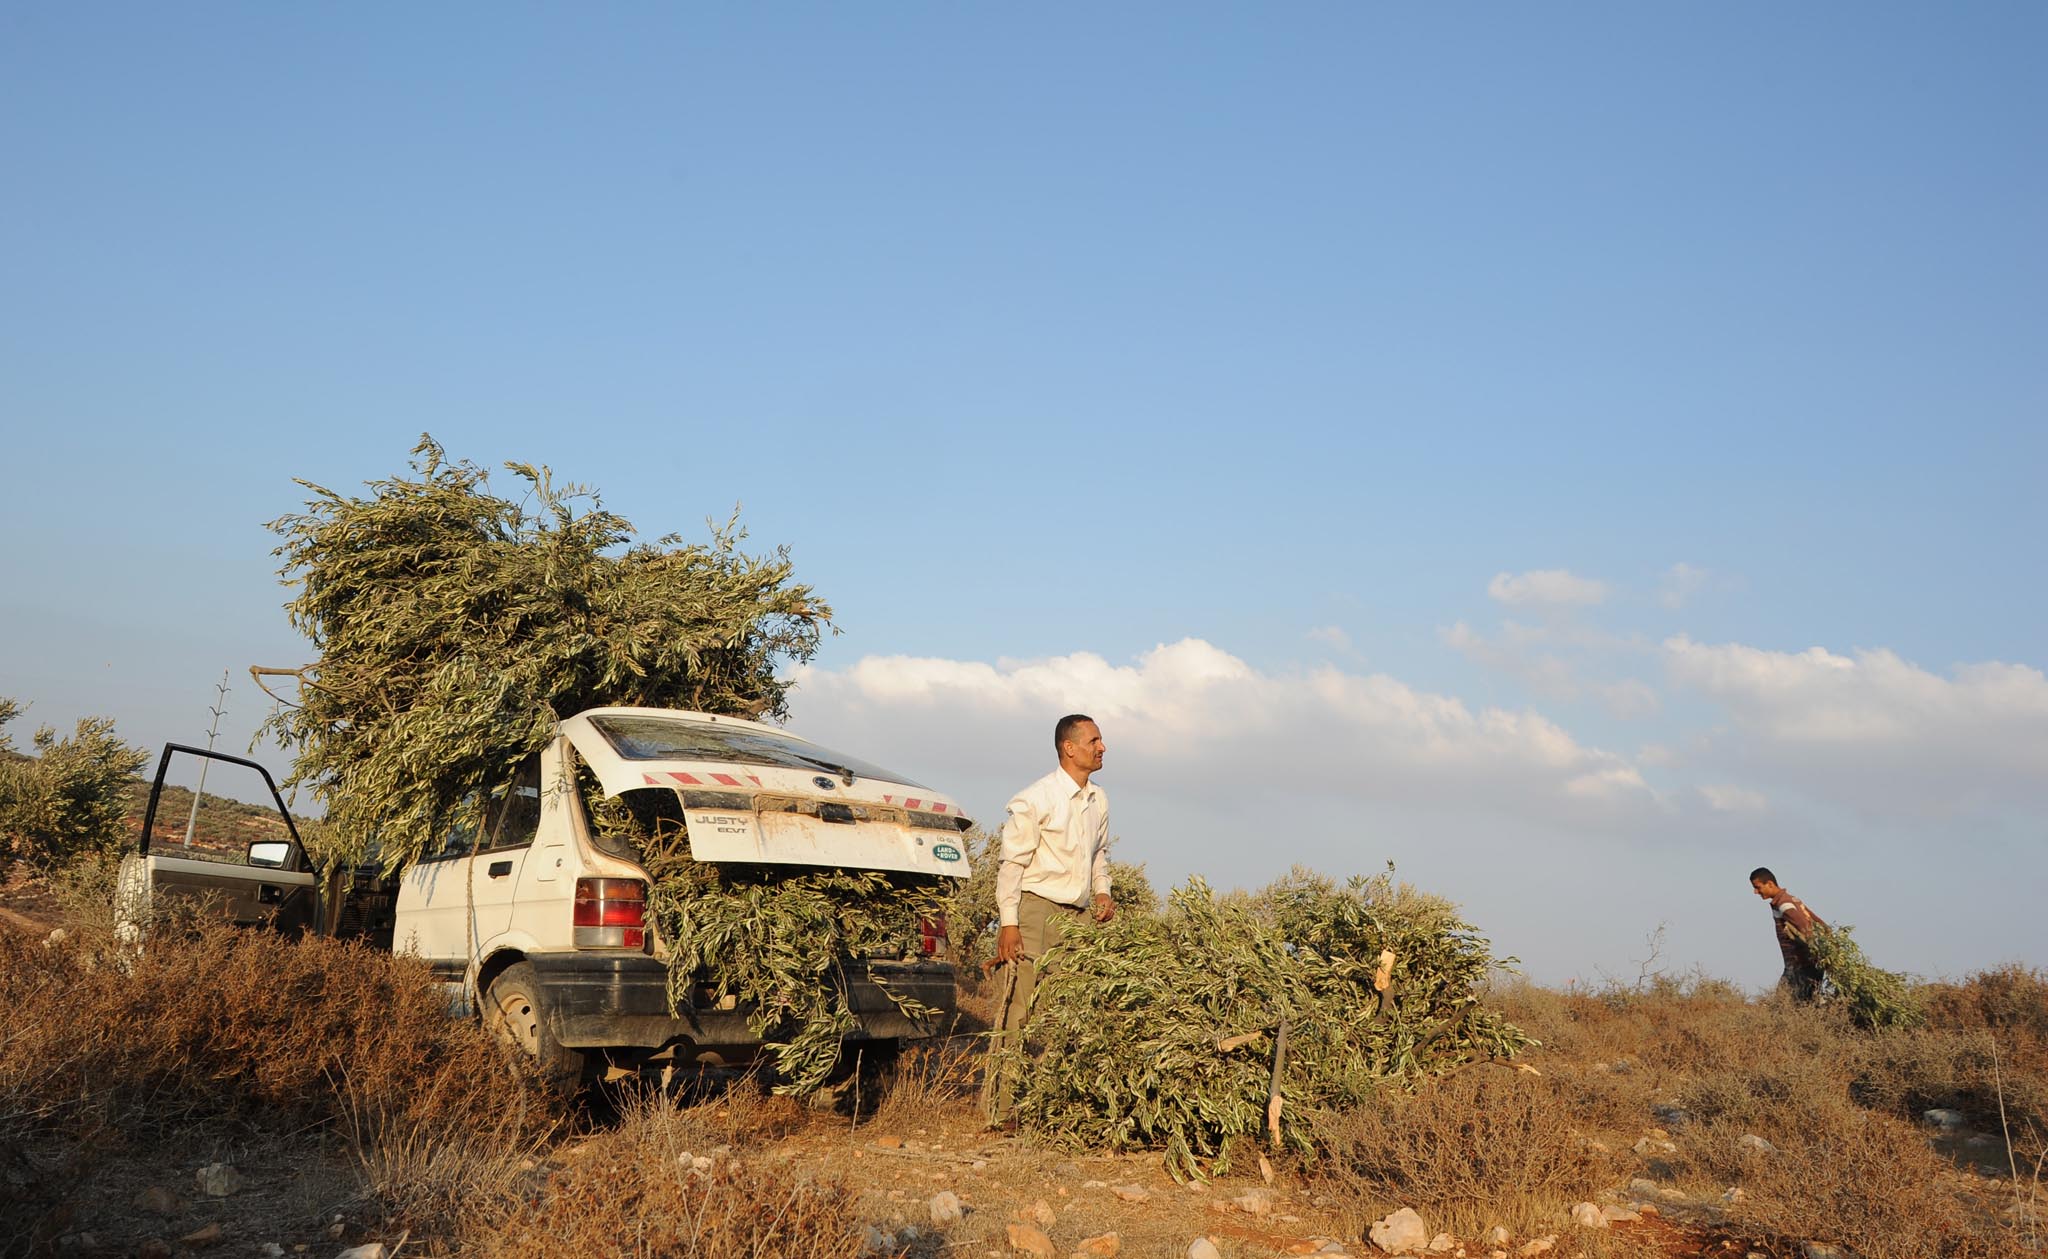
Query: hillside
{"x": 1662, "y": 1120}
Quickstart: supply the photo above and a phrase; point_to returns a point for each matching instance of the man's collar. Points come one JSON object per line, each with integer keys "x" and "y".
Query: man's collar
{"x": 1068, "y": 778}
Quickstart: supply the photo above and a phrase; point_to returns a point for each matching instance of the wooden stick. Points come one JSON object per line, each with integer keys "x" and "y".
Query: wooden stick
{"x": 1273, "y": 1092}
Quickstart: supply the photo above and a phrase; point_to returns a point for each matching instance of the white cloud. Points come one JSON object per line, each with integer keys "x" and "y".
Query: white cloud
{"x": 1681, "y": 582}
{"x": 1332, "y": 636}
{"x": 1546, "y": 586}
{"x": 1192, "y": 719}
{"x": 1560, "y": 662}
{"x": 1871, "y": 731}
{"x": 1727, "y": 798}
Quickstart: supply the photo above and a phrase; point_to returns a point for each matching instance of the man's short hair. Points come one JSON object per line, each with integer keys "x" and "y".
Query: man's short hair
{"x": 1762, "y": 874}
{"x": 1066, "y": 727}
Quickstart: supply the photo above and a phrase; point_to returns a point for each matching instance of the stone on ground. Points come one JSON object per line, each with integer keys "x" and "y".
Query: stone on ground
{"x": 1402, "y": 1233}
{"x": 946, "y": 1208}
{"x": 1028, "y": 1239}
{"x": 1587, "y": 1215}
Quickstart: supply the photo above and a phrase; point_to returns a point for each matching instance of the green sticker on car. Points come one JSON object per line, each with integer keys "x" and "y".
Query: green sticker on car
{"x": 945, "y": 852}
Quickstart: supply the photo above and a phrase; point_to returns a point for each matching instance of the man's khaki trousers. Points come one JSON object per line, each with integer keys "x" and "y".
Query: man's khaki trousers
{"x": 1039, "y": 921}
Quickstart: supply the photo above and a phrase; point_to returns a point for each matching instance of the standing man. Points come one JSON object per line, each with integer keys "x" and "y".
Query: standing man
{"x": 1054, "y": 855}
{"x": 1795, "y": 925}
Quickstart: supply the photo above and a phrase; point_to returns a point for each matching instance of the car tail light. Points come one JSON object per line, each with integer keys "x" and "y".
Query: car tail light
{"x": 932, "y": 933}
{"x": 610, "y": 914}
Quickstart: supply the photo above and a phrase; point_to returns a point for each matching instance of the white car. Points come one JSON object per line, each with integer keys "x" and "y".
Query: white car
{"x": 540, "y": 922}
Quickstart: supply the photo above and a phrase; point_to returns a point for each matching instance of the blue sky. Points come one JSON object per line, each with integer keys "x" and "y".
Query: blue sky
{"x": 1304, "y": 336}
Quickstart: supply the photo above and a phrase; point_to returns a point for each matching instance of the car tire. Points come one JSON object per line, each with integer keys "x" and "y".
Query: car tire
{"x": 514, "y": 1014}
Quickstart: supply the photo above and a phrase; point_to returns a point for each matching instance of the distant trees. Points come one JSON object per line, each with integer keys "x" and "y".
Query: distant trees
{"x": 66, "y": 802}
{"x": 454, "y": 627}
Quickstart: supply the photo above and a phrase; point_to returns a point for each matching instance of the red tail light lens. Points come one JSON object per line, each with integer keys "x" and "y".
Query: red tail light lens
{"x": 932, "y": 931}
{"x": 610, "y": 914}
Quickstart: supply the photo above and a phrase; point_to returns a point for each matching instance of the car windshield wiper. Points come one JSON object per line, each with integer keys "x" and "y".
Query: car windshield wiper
{"x": 846, "y": 774}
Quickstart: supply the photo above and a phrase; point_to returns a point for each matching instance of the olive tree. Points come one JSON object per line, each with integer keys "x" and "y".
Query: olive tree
{"x": 452, "y": 627}
{"x": 68, "y": 801}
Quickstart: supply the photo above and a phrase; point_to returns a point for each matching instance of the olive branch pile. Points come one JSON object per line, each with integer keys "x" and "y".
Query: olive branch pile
{"x": 454, "y": 627}
{"x": 1161, "y": 1031}
{"x": 777, "y": 940}
{"x": 1874, "y": 997}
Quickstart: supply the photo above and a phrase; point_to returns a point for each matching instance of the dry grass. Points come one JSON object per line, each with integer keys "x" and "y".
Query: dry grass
{"x": 638, "y": 1190}
{"x": 930, "y": 1082}
{"x": 103, "y": 1049}
{"x": 1841, "y": 1106}
{"x": 1486, "y": 1146}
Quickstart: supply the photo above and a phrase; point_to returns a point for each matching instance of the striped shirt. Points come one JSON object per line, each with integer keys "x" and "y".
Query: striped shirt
{"x": 1794, "y": 923}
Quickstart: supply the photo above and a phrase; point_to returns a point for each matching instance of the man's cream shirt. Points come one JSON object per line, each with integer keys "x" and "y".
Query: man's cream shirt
{"x": 1055, "y": 845}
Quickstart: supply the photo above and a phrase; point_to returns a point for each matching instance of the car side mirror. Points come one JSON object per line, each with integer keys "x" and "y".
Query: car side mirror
{"x": 270, "y": 852}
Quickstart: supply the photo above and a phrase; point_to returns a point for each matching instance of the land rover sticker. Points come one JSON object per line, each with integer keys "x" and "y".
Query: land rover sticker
{"x": 945, "y": 852}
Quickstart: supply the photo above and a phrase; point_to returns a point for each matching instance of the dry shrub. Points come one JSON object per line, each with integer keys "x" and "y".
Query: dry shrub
{"x": 634, "y": 1191}
{"x": 1468, "y": 1151}
{"x": 1849, "y": 1166}
{"x": 2005, "y": 1008}
{"x": 930, "y": 1080}
{"x": 102, "y": 1047}
{"x": 1846, "y": 1175}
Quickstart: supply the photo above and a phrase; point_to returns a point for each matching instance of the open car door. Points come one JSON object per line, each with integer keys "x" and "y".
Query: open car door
{"x": 241, "y": 861}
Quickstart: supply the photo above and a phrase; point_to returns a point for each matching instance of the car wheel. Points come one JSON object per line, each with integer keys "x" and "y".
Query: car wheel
{"x": 513, "y": 1012}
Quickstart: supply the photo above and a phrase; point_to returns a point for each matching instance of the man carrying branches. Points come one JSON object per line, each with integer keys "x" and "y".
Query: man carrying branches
{"x": 1794, "y": 924}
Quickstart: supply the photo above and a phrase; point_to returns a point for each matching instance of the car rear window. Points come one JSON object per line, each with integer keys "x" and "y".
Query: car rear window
{"x": 655, "y": 739}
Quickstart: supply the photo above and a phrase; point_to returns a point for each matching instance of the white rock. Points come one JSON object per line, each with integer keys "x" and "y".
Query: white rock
{"x": 1654, "y": 1145}
{"x": 1733, "y": 1194}
{"x": 946, "y": 1209}
{"x": 1442, "y": 1243}
{"x": 374, "y": 1250}
{"x": 1042, "y": 1214}
{"x": 1497, "y": 1235}
{"x": 270, "y": 1250}
{"x": 1203, "y": 1248}
{"x": 1937, "y": 1118}
{"x": 1620, "y": 1215}
{"x": 1587, "y": 1215}
{"x": 1402, "y": 1233}
{"x": 217, "y": 1180}
{"x": 1131, "y": 1193}
{"x": 1751, "y": 1141}
{"x": 1094, "y": 1184}
{"x": 1254, "y": 1202}
{"x": 1530, "y": 1249}
{"x": 1643, "y": 1186}
{"x": 1824, "y": 1250}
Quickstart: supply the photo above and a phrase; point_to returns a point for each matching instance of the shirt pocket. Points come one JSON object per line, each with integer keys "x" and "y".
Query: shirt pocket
{"x": 1057, "y": 819}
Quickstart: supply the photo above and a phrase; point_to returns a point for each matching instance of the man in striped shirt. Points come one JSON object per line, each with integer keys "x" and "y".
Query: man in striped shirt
{"x": 1795, "y": 925}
